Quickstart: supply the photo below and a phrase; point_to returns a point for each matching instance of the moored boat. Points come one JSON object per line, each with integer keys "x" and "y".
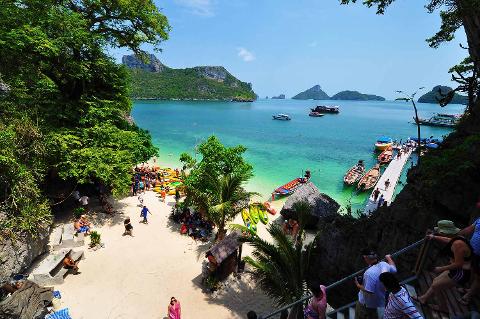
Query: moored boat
{"x": 315, "y": 114}
{"x": 326, "y": 109}
{"x": 282, "y": 117}
{"x": 383, "y": 143}
{"x": 386, "y": 156}
{"x": 355, "y": 173}
{"x": 441, "y": 120}
{"x": 291, "y": 186}
{"x": 369, "y": 180}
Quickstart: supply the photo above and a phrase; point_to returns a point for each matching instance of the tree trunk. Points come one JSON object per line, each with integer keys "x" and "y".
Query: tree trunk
{"x": 419, "y": 148}
{"x": 470, "y": 14}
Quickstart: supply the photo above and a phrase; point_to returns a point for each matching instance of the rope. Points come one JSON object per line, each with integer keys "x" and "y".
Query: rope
{"x": 67, "y": 196}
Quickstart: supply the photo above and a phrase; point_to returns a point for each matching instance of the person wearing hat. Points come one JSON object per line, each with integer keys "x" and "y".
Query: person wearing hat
{"x": 456, "y": 273}
{"x": 446, "y": 228}
{"x": 371, "y": 295}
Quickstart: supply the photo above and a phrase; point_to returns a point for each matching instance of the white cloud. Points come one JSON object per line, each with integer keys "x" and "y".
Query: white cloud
{"x": 313, "y": 44}
{"x": 245, "y": 55}
{"x": 198, "y": 7}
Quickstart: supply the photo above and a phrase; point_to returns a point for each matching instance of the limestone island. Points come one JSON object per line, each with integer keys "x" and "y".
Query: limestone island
{"x": 151, "y": 79}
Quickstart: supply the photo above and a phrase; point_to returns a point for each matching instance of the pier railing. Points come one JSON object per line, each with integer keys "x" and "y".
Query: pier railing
{"x": 341, "y": 281}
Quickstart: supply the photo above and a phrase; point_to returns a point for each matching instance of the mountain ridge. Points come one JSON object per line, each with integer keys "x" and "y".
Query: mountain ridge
{"x": 151, "y": 79}
{"x": 440, "y": 90}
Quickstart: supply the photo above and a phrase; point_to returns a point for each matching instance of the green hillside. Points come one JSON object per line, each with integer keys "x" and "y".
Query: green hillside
{"x": 202, "y": 83}
{"x": 356, "y": 96}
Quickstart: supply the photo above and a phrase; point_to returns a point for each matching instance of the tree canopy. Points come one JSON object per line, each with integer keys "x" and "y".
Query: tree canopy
{"x": 66, "y": 114}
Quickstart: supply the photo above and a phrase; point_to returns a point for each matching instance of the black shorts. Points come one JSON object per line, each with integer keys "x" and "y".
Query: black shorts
{"x": 460, "y": 276}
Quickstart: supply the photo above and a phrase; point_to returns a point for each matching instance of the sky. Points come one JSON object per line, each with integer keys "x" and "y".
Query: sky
{"x": 285, "y": 46}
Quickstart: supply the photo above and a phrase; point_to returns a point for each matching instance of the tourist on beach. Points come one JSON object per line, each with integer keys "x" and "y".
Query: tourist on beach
{"x": 141, "y": 186}
{"x": 474, "y": 231}
{"x": 164, "y": 195}
{"x": 399, "y": 303}
{"x": 251, "y": 315}
{"x": 69, "y": 263}
{"x": 177, "y": 195}
{"x": 128, "y": 227}
{"x": 84, "y": 202}
{"x": 457, "y": 273}
{"x": 174, "y": 309}
{"x": 144, "y": 214}
{"x": 82, "y": 225}
{"x": 317, "y": 306}
{"x": 380, "y": 201}
{"x": 371, "y": 295}
{"x": 76, "y": 196}
{"x": 376, "y": 192}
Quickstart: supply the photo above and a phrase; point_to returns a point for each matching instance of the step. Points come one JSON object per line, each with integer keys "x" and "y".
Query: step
{"x": 56, "y": 238}
{"x": 70, "y": 238}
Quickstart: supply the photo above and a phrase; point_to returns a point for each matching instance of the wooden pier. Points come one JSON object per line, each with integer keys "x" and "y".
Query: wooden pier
{"x": 392, "y": 174}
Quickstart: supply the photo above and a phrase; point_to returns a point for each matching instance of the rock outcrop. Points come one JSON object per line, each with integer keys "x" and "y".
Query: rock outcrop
{"x": 438, "y": 92}
{"x": 26, "y": 303}
{"x": 313, "y": 93}
{"x": 152, "y": 64}
{"x": 356, "y": 96}
{"x": 323, "y": 206}
{"x": 16, "y": 255}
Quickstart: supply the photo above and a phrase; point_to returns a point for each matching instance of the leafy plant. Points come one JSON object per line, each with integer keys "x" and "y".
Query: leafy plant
{"x": 95, "y": 239}
{"x": 77, "y": 212}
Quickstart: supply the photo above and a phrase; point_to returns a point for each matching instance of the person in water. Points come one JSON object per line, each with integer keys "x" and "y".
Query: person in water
{"x": 174, "y": 309}
{"x": 317, "y": 306}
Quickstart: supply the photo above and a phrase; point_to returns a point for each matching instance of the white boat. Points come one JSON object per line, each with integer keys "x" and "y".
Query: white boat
{"x": 441, "y": 119}
{"x": 281, "y": 117}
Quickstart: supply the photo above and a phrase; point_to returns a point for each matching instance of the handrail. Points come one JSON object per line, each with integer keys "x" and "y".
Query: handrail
{"x": 341, "y": 281}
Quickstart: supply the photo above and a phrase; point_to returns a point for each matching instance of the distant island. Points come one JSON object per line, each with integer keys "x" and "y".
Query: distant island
{"x": 313, "y": 93}
{"x": 280, "y": 97}
{"x": 316, "y": 93}
{"x": 356, "y": 96}
{"x": 154, "y": 80}
{"x": 436, "y": 94}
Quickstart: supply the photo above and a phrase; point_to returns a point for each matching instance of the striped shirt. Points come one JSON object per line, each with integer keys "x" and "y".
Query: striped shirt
{"x": 400, "y": 306}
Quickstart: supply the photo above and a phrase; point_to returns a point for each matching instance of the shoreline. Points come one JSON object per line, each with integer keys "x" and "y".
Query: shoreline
{"x": 134, "y": 277}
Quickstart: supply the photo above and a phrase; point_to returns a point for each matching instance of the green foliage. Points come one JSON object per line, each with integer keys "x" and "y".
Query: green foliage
{"x": 187, "y": 84}
{"x": 66, "y": 114}
{"x": 95, "y": 239}
{"x": 280, "y": 265}
{"x": 215, "y": 184}
{"x": 77, "y": 212}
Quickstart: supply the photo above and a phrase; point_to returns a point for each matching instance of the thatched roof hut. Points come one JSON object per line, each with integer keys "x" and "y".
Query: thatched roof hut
{"x": 226, "y": 247}
{"x": 322, "y": 205}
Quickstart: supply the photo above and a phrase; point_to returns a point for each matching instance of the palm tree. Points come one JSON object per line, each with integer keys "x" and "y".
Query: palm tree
{"x": 281, "y": 265}
{"x": 228, "y": 200}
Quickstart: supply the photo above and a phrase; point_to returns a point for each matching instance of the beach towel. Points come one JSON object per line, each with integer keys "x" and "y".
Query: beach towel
{"x": 61, "y": 314}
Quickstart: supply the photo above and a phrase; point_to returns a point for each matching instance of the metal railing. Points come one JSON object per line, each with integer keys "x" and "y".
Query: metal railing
{"x": 341, "y": 281}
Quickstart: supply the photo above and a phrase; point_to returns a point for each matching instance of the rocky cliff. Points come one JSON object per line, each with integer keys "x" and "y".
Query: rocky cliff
{"x": 445, "y": 186}
{"x": 17, "y": 254}
{"x": 356, "y": 96}
{"x": 440, "y": 91}
{"x": 313, "y": 93}
{"x": 153, "y": 80}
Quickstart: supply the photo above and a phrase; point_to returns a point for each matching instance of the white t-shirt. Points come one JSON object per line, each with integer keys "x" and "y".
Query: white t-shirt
{"x": 372, "y": 284}
{"x": 83, "y": 200}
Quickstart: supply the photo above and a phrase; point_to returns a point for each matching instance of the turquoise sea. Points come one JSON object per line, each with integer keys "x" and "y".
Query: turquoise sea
{"x": 282, "y": 150}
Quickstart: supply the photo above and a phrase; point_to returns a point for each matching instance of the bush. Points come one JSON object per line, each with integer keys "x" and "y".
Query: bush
{"x": 95, "y": 239}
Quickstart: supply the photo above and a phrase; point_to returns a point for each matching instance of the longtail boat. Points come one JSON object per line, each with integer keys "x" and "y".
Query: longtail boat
{"x": 355, "y": 173}
{"x": 369, "y": 180}
{"x": 386, "y": 156}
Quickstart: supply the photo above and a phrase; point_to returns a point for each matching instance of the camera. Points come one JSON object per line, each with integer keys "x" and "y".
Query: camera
{"x": 359, "y": 279}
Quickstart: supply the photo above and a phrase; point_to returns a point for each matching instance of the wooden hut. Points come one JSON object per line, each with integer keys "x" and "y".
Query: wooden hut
{"x": 225, "y": 256}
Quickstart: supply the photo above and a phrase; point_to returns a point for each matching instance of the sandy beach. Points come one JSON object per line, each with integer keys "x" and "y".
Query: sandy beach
{"x": 134, "y": 277}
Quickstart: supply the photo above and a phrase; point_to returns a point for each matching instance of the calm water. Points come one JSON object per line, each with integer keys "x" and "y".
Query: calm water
{"x": 281, "y": 151}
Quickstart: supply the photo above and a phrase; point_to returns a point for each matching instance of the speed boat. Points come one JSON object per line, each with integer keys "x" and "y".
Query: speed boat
{"x": 281, "y": 117}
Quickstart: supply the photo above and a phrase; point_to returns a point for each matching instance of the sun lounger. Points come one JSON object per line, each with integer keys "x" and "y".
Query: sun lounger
{"x": 61, "y": 314}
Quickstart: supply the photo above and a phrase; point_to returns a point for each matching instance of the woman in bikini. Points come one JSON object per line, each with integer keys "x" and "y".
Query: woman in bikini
{"x": 457, "y": 273}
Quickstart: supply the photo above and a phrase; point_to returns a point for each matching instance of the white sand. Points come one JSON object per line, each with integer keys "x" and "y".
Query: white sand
{"x": 134, "y": 277}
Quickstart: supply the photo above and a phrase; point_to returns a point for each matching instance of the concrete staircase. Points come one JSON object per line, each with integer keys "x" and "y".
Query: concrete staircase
{"x": 65, "y": 236}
